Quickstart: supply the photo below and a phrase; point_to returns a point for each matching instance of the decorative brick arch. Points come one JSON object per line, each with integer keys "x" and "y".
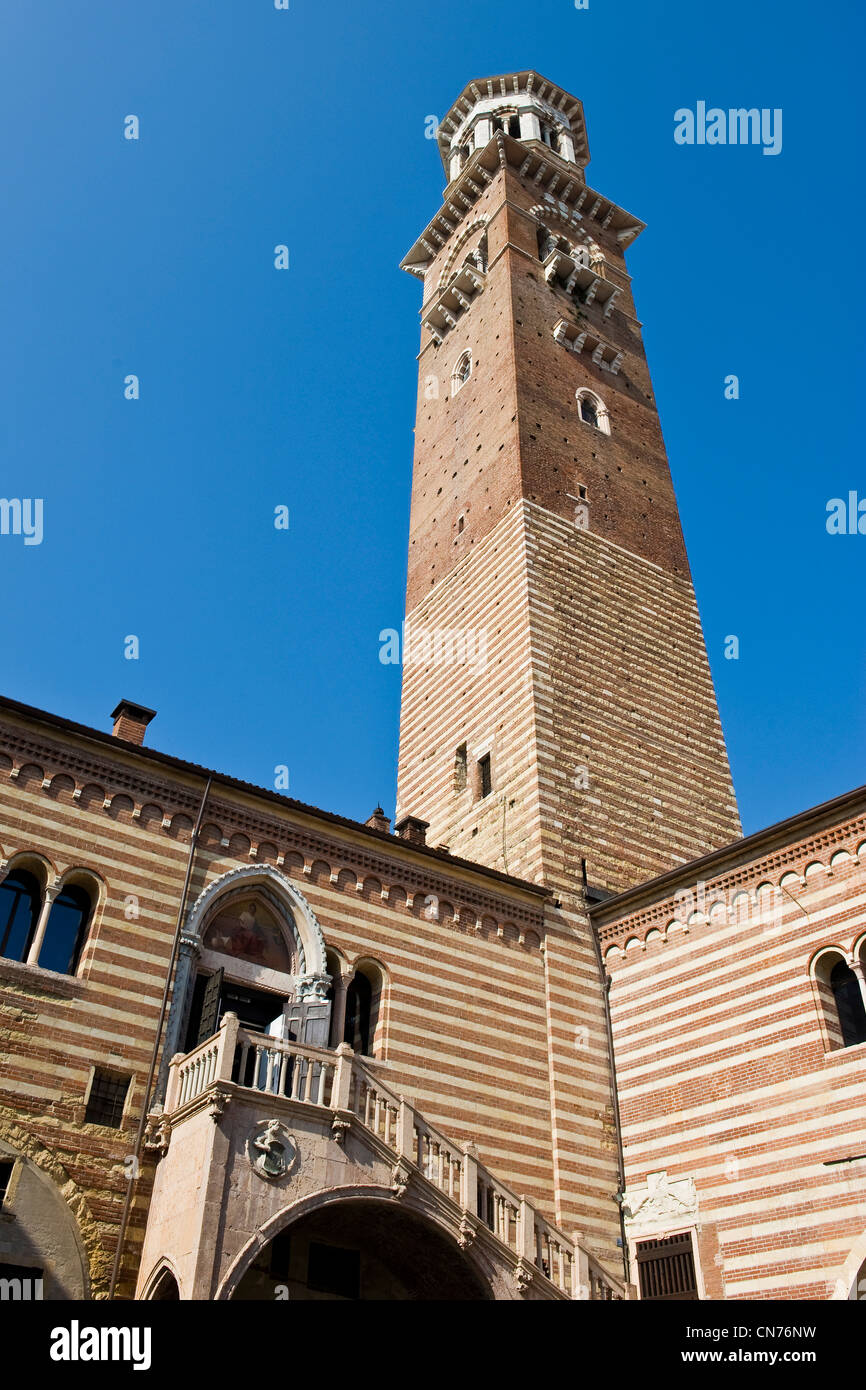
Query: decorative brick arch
{"x": 478, "y": 224}
{"x": 308, "y": 936}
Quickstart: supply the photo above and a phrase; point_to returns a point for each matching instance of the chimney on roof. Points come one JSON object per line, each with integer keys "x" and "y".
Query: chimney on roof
{"x": 378, "y": 820}
{"x": 131, "y": 720}
{"x": 412, "y": 829}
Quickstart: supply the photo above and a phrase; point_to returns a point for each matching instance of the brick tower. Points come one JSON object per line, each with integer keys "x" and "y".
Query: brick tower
{"x": 557, "y": 700}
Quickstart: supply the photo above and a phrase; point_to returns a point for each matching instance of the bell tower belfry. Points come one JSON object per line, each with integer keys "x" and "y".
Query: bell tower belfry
{"x": 557, "y": 701}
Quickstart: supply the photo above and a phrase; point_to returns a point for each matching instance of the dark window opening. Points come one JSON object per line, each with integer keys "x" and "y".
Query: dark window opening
{"x": 588, "y": 411}
{"x": 359, "y": 1010}
{"x": 849, "y": 1004}
{"x": 213, "y": 996}
{"x": 107, "y": 1099}
{"x": 485, "y": 782}
{"x": 66, "y": 931}
{"x": 514, "y": 127}
{"x": 334, "y": 1271}
{"x": 20, "y": 901}
{"x": 6, "y": 1168}
{"x": 667, "y": 1269}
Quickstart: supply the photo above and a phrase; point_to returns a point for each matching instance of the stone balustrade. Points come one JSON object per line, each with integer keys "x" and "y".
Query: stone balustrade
{"x": 340, "y": 1082}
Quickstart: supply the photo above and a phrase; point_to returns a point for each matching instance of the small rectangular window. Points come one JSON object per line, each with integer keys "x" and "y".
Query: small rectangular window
{"x": 6, "y": 1168}
{"x": 666, "y": 1269}
{"x": 107, "y": 1098}
{"x": 485, "y": 783}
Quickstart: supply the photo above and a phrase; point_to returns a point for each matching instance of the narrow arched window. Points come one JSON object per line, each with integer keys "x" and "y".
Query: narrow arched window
{"x": 359, "y": 1008}
{"x": 462, "y": 372}
{"x": 850, "y": 1008}
{"x": 20, "y": 901}
{"x": 363, "y": 1009}
{"x": 593, "y": 411}
{"x": 66, "y": 932}
{"x": 545, "y": 242}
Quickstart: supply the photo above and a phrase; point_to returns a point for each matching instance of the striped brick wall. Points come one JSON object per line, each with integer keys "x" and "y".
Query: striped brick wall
{"x": 729, "y": 1060}
{"x": 465, "y": 1020}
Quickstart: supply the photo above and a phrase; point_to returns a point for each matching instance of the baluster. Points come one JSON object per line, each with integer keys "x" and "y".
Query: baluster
{"x": 281, "y": 1082}
{"x": 308, "y": 1086}
{"x": 440, "y": 1170}
{"x": 323, "y": 1074}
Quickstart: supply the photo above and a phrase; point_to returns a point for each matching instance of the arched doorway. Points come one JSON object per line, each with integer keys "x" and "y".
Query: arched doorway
{"x": 165, "y": 1289}
{"x": 361, "y": 1250}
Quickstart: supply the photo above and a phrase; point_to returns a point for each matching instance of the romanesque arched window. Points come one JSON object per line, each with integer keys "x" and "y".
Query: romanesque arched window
{"x": 66, "y": 932}
{"x": 593, "y": 410}
{"x": 20, "y": 904}
{"x": 841, "y": 998}
{"x": 848, "y": 999}
{"x": 462, "y": 372}
{"x": 363, "y": 1008}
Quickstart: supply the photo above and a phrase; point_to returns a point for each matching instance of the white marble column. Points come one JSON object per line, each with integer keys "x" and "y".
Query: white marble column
{"x": 530, "y": 126}
{"x": 39, "y": 935}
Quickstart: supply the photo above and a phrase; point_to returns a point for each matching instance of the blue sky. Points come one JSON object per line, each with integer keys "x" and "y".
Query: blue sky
{"x": 260, "y": 388}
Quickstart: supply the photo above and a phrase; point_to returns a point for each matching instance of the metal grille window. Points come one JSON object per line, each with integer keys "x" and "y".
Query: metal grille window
{"x": 106, "y": 1100}
{"x": 667, "y": 1269}
{"x": 485, "y": 779}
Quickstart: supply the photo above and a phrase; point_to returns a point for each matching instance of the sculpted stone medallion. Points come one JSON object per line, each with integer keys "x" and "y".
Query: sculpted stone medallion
{"x": 271, "y": 1150}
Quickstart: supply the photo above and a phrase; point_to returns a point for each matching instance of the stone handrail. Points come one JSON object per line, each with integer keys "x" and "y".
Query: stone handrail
{"x": 339, "y": 1081}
